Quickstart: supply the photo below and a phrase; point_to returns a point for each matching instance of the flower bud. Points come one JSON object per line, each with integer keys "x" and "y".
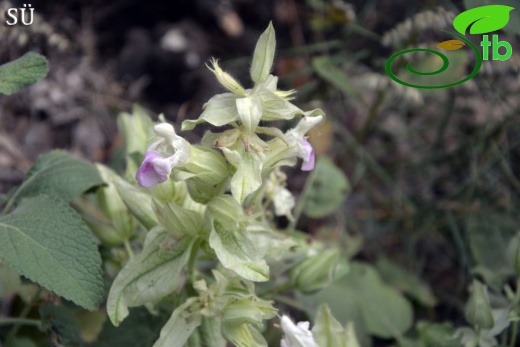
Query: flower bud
{"x": 119, "y": 224}
{"x": 206, "y": 174}
{"x": 135, "y": 129}
{"x": 138, "y": 202}
{"x": 315, "y": 272}
{"x": 225, "y": 210}
{"x": 478, "y": 309}
{"x": 226, "y": 79}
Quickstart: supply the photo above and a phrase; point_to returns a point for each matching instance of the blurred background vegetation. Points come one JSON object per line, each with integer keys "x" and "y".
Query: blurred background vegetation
{"x": 433, "y": 175}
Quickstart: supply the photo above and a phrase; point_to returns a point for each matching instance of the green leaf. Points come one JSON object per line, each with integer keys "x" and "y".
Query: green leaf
{"x": 218, "y": 111}
{"x": 45, "y": 240}
{"x": 180, "y": 326}
{"x": 61, "y": 322}
{"x": 363, "y": 298}
{"x": 406, "y": 282}
{"x": 264, "y": 55}
{"x": 60, "y": 174}
{"x": 151, "y": 275}
{"x": 327, "y": 191}
{"x": 483, "y": 19}
{"x": 250, "y": 111}
{"x": 24, "y": 71}
{"x": 489, "y": 236}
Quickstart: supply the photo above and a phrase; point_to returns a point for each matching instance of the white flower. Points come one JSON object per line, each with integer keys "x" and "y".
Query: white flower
{"x": 296, "y": 335}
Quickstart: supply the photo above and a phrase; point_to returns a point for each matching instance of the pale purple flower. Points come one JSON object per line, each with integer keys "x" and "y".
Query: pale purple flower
{"x": 153, "y": 170}
{"x": 307, "y": 154}
{"x": 296, "y": 138}
{"x": 162, "y": 156}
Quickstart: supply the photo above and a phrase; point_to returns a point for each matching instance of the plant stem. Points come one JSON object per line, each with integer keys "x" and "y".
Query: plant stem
{"x": 20, "y": 321}
{"x": 128, "y": 249}
{"x": 514, "y": 333}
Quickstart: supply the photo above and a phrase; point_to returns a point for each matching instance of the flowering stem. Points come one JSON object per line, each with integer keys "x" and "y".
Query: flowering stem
{"x": 301, "y": 201}
{"x": 128, "y": 249}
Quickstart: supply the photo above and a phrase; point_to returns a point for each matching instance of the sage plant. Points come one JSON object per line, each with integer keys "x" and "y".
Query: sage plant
{"x": 209, "y": 210}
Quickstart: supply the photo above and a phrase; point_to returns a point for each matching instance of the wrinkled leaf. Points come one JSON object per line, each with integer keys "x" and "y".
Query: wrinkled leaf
{"x": 60, "y": 174}
{"x": 451, "y": 45}
{"x": 149, "y": 276}
{"x": 483, "y": 19}
{"x": 22, "y": 72}
{"x": 327, "y": 191}
{"x": 45, "y": 240}
{"x": 180, "y": 326}
{"x": 264, "y": 55}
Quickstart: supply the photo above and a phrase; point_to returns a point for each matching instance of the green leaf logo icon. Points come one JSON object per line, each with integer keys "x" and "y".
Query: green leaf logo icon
{"x": 483, "y": 19}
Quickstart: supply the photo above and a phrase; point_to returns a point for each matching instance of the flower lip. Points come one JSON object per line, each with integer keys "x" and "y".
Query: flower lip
{"x": 150, "y": 174}
{"x": 307, "y": 154}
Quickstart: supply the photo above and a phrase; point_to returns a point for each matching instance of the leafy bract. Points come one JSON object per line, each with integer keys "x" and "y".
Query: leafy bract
{"x": 149, "y": 276}
{"x": 180, "y": 326}
{"x": 483, "y": 19}
{"x": 218, "y": 111}
{"x": 231, "y": 241}
{"x": 327, "y": 331}
{"x": 60, "y": 174}
{"x": 264, "y": 55}
{"x": 45, "y": 240}
{"x": 22, "y": 72}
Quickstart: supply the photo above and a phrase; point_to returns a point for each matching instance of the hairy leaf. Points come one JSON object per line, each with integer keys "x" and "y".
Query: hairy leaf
{"x": 45, "y": 240}
{"x": 60, "y": 174}
{"x": 24, "y": 71}
{"x": 264, "y": 55}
